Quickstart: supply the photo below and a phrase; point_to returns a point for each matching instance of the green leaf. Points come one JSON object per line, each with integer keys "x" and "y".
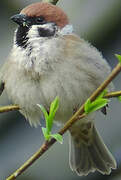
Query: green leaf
{"x": 46, "y": 116}
{"x": 49, "y": 120}
{"x": 44, "y": 111}
{"x": 95, "y": 105}
{"x": 99, "y": 103}
{"x": 87, "y": 106}
{"x": 46, "y": 135}
{"x": 118, "y": 57}
{"x": 119, "y": 98}
{"x": 54, "y": 105}
{"x": 53, "y": 109}
{"x": 58, "y": 137}
{"x": 102, "y": 94}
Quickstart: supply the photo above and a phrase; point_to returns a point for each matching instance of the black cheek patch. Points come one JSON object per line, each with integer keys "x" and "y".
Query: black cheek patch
{"x": 45, "y": 32}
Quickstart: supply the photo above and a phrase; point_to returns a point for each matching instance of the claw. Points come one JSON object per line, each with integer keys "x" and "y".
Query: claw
{"x": 104, "y": 110}
{"x": 2, "y": 85}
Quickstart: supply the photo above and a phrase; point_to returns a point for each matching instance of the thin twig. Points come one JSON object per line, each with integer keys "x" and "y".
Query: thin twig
{"x": 9, "y": 108}
{"x": 113, "y": 94}
{"x": 78, "y": 115}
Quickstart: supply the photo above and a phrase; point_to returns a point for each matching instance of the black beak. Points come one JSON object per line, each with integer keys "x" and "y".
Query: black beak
{"x": 20, "y": 19}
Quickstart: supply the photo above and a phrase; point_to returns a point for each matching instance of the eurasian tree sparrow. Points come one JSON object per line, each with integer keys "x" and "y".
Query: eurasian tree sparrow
{"x": 49, "y": 60}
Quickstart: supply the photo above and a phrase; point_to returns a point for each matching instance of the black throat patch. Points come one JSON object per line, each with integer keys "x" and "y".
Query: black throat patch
{"x": 21, "y": 36}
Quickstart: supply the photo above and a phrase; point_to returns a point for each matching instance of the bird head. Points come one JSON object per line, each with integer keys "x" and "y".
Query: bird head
{"x": 39, "y": 19}
{"x": 41, "y": 14}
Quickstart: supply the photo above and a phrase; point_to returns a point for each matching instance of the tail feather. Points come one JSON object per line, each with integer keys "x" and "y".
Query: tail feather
{"x": 85, "y": 158}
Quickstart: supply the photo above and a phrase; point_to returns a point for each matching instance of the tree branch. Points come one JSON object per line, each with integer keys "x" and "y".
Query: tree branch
{"x": 78, "y": 115}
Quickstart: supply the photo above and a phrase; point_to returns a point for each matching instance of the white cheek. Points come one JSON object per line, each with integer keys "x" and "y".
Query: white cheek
{"x": 33, "y": 32}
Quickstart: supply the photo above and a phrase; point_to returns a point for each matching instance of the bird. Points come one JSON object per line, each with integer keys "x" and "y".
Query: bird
{"x": 49, "y": 59}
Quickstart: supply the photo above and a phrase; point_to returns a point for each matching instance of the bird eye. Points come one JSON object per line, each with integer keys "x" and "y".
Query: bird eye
{"x": 40, "y": 20}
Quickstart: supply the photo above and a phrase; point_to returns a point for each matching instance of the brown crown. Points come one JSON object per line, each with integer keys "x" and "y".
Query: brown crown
{"x": 50, "y": 12}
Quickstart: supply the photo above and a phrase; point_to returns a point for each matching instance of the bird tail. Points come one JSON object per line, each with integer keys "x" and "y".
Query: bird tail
{"x": 88, "y": 157}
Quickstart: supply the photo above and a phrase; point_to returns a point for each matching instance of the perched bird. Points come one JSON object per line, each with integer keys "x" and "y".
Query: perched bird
{"x": 49, "y": 60}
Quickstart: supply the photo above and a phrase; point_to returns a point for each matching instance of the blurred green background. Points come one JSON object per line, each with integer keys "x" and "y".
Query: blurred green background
{"x": 97, "y": 21}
